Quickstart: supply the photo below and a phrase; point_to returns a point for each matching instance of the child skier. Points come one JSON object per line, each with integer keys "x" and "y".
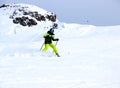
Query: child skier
{"x": 49, "y": 37}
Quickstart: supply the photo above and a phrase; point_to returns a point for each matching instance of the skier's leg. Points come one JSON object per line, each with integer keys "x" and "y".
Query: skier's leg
{"x": 54, "y": 49}
{"x": 46, "y": 47}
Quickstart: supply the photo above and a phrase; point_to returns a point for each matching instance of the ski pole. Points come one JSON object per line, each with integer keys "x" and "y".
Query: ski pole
{"x": 56, "y": 43}
{"x": 41, "y": 46}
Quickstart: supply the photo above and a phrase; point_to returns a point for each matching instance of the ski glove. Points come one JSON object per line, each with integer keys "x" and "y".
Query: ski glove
{"x": 57, "y": 39}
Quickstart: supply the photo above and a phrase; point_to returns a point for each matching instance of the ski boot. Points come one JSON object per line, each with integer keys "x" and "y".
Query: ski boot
{"x": 57, "y": 55}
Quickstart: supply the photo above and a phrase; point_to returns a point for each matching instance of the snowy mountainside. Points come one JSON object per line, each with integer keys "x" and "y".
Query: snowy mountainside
{"x": 73, "y": 30}
{"x": 25, "y": 15}
{"x": 17, "y": 19}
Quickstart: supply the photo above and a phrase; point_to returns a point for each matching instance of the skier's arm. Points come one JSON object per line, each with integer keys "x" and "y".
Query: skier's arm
{"x": 54, "y": 39}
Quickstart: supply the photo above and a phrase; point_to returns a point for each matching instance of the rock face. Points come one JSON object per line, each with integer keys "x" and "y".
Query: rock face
{"x": 24, "y": 16}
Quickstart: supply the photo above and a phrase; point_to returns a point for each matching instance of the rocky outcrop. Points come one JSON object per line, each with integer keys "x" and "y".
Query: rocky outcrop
{"x": 26, "y": 17}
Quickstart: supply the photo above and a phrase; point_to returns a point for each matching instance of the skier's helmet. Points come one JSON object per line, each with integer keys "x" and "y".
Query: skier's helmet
{"x": 52, "y": 30}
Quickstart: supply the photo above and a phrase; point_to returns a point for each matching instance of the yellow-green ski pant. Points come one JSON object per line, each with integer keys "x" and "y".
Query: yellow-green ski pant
{"x": 52, "y": 46}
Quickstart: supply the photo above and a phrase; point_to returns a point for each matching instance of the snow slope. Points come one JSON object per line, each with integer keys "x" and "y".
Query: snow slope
{"x": 89, "y": 56}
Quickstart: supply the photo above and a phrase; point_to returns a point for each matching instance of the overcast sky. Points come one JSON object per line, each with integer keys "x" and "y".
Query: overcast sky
{"x": 95, "y": 12}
